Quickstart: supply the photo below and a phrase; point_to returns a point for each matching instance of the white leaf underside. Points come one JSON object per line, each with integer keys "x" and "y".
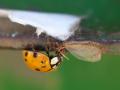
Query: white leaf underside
{"x": 54, "y": 24}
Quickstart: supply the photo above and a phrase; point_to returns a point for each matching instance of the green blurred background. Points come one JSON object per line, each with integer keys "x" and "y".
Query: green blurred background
{"x": 73, "y": 74}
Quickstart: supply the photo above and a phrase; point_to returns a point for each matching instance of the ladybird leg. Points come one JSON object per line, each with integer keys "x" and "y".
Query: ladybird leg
{"x": 47, "y": 50}
{"x": 28, "y": 47}
{"x": 33, "y": 49}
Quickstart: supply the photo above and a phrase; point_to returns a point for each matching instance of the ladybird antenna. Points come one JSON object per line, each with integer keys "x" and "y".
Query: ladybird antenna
{"x": 64, "y": 56}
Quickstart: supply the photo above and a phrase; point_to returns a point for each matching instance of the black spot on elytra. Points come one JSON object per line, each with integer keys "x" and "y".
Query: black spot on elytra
{"x": 37, "y": 69}
{"x": 43, "y": 62}
{"x": 26, "y": 60}
{"x": 35, "y": 54}
{"x": 43, "y": 66}
{"x": 26, "y": 53}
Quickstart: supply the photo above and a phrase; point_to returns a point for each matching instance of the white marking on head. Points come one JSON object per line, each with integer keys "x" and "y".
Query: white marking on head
{"x": 54, "y": 60}
{"x": 54, "y": 66}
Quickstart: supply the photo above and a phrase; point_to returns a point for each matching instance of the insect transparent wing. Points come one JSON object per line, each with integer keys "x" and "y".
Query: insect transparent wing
{"x": 112, "y": 42}
{"x": 113, "y": 48}
{"x": 86, "y": 51}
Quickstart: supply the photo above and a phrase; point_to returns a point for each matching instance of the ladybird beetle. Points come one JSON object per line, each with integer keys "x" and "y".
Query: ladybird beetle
{"x": 39, "y": 61}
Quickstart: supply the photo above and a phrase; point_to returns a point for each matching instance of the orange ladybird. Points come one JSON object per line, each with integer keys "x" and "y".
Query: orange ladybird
{"x": 40, "y": 62}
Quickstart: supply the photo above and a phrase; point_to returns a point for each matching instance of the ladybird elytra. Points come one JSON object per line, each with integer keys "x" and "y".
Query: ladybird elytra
{"x": 38, "y": 62}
